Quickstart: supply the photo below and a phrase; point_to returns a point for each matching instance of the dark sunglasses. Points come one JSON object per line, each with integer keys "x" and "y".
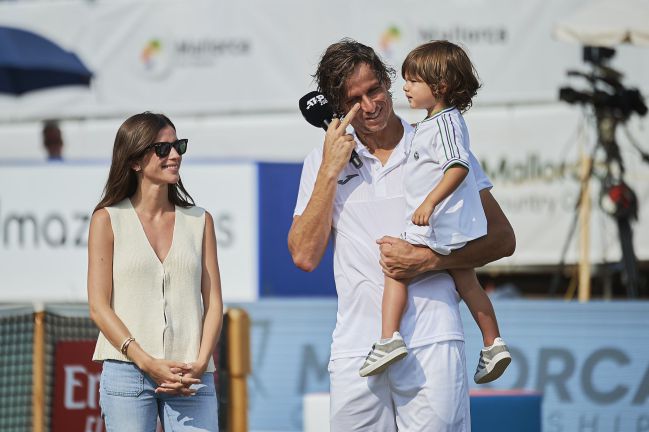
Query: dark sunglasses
{"x": 162, "y": 149}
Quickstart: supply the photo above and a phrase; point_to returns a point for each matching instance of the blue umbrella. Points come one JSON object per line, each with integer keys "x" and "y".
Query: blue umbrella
{"x": 31, "y": 62}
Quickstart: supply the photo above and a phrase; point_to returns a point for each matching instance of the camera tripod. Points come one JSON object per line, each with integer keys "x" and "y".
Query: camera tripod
{"x": 616, "y": 198}
{"x": 612, "y": 104}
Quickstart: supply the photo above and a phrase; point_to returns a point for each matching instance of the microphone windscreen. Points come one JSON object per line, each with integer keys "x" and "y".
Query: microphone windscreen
{"x": 316, "y": 109}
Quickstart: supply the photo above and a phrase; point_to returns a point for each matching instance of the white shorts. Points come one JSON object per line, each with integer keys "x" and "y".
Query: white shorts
{"x": 425, "y": 236}
{"x": 426, "y": 391}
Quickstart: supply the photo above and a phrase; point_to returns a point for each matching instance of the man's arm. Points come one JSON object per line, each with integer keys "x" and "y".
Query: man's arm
{"x": 309, "y": 233}
{"x": 400, "y": 259}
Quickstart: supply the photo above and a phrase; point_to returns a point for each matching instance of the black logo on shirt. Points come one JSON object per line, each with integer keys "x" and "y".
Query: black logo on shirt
{"x": 346, "y": 179}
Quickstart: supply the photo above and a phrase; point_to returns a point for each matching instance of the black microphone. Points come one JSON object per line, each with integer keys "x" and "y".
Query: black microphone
{"x": 316, "y": 110}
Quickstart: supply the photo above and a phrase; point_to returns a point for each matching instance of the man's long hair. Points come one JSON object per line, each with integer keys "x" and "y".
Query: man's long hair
{"x": 338, "y": 63}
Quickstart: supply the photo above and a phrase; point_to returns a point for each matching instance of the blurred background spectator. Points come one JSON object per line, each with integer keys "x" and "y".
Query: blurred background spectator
{"x": 53, "y": 140}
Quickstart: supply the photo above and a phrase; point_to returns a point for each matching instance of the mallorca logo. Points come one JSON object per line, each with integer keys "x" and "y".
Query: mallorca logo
{"x": 389, "y": 37}
{"x": 153, "y": 58}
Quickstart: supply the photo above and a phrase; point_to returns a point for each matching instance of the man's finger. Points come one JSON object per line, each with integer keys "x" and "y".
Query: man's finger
{"x": 333, "y": 125}
{"x": 350, "y": 116}
{"x": 389, "y": 273}
{"x": 386, "y": 240}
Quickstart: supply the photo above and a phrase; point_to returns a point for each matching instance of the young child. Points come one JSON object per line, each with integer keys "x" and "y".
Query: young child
{"x": 440, "y": 78}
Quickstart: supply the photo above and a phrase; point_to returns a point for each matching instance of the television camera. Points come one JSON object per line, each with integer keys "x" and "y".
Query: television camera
{"x": 607, "y": 93}
{"x": 612, "y": 103}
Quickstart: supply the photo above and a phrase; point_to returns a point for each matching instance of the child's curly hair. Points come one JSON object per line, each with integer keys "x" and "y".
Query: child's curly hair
{"x": 443, "y": 64}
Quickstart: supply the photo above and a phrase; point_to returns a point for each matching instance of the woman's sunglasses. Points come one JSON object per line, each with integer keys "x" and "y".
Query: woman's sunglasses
{"x": 162, "y": 149}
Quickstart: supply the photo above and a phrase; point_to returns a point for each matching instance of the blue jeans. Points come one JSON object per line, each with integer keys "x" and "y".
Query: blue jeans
{"x": 129, "y": 402}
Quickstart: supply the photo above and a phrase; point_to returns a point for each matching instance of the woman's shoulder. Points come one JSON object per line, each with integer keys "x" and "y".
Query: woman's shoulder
{"x": 195, "y": 216}
{"x": 120, "y": 205}
{"x": 112, "y": 211}
{"x": 101, "y": 224}
{"x": 101, "y": 215}
{"x": 193, "y": 211}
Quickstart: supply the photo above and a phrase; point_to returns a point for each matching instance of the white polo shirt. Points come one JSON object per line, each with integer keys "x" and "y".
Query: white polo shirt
{"x": 369, "y": 204}
{"x": 438, "y": 143}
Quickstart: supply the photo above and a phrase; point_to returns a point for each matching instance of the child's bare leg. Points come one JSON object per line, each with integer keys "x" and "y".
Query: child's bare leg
{"x": 494, "y": 357}
{"x": 395, "y": 297}
{"x": 478, "y": 303}
{"x": 391, "y": 348}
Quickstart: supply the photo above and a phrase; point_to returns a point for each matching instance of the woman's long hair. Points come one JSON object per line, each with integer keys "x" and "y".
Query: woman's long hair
{"x": 132, "y": 138}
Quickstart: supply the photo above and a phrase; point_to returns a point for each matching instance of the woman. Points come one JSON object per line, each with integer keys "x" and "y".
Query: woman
{"x": 153, "y": 287}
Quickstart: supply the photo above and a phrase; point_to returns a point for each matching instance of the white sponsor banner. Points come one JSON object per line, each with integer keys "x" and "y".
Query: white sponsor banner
{"x": 44, "y": 216}
{"x": 206, "y": 56}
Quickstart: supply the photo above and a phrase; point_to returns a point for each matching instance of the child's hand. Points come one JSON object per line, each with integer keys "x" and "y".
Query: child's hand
{"x": 422, "y": 215}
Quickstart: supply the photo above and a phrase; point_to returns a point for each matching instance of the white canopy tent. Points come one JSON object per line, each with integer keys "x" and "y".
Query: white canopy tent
{"x": 607, "y": 23}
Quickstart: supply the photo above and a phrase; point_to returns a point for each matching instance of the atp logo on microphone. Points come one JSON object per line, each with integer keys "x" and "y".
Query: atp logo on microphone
{"x": 319, "y": 99}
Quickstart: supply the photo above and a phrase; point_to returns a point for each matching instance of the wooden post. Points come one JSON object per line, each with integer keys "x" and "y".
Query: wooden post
{"x": 238, "y": 352}
{"x": 38, "y": 375}
{"x": 584, "y": 230}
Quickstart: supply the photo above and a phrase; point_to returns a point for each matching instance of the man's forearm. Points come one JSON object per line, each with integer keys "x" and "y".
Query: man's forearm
{"x": 476, "y": 253}
{"x": 401, "y": 260}
{"x": 498, "y": 243}
{"x": 309, "y": 233}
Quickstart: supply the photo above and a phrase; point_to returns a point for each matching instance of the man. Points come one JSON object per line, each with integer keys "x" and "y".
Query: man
{"x": 53, "y": 141}
{"x": 428, "y": 390}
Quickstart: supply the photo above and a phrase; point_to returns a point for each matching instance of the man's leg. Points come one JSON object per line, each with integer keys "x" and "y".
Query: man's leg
{"x": 430, "y": 389}
{"x": 359, "y": 404}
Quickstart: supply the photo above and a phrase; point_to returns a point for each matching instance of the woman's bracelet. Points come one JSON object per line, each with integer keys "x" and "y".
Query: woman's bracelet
{"x": 125, "y": 344}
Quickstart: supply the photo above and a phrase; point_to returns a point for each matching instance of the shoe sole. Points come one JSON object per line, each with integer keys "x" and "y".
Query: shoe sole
{"x": 379, "y": 366}
{"x": 500, "y": 363}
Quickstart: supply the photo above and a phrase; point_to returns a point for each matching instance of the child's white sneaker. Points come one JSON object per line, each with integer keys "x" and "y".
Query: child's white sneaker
{"x": 383, "y": 354}
{"x": 493, "y": 362}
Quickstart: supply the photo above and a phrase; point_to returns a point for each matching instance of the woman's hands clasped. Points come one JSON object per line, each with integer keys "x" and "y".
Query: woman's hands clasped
{"x": 174, "y": 377}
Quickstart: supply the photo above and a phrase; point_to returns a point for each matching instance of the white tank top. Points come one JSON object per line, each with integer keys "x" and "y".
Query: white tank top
{"x": 159, "y": 302}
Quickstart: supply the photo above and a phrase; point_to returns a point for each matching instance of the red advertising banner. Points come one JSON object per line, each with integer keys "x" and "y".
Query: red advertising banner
{"x": 75, "y": 405}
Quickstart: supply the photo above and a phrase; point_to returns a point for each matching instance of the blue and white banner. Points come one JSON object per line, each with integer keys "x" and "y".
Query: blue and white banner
{"x": 589, "y": 361}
